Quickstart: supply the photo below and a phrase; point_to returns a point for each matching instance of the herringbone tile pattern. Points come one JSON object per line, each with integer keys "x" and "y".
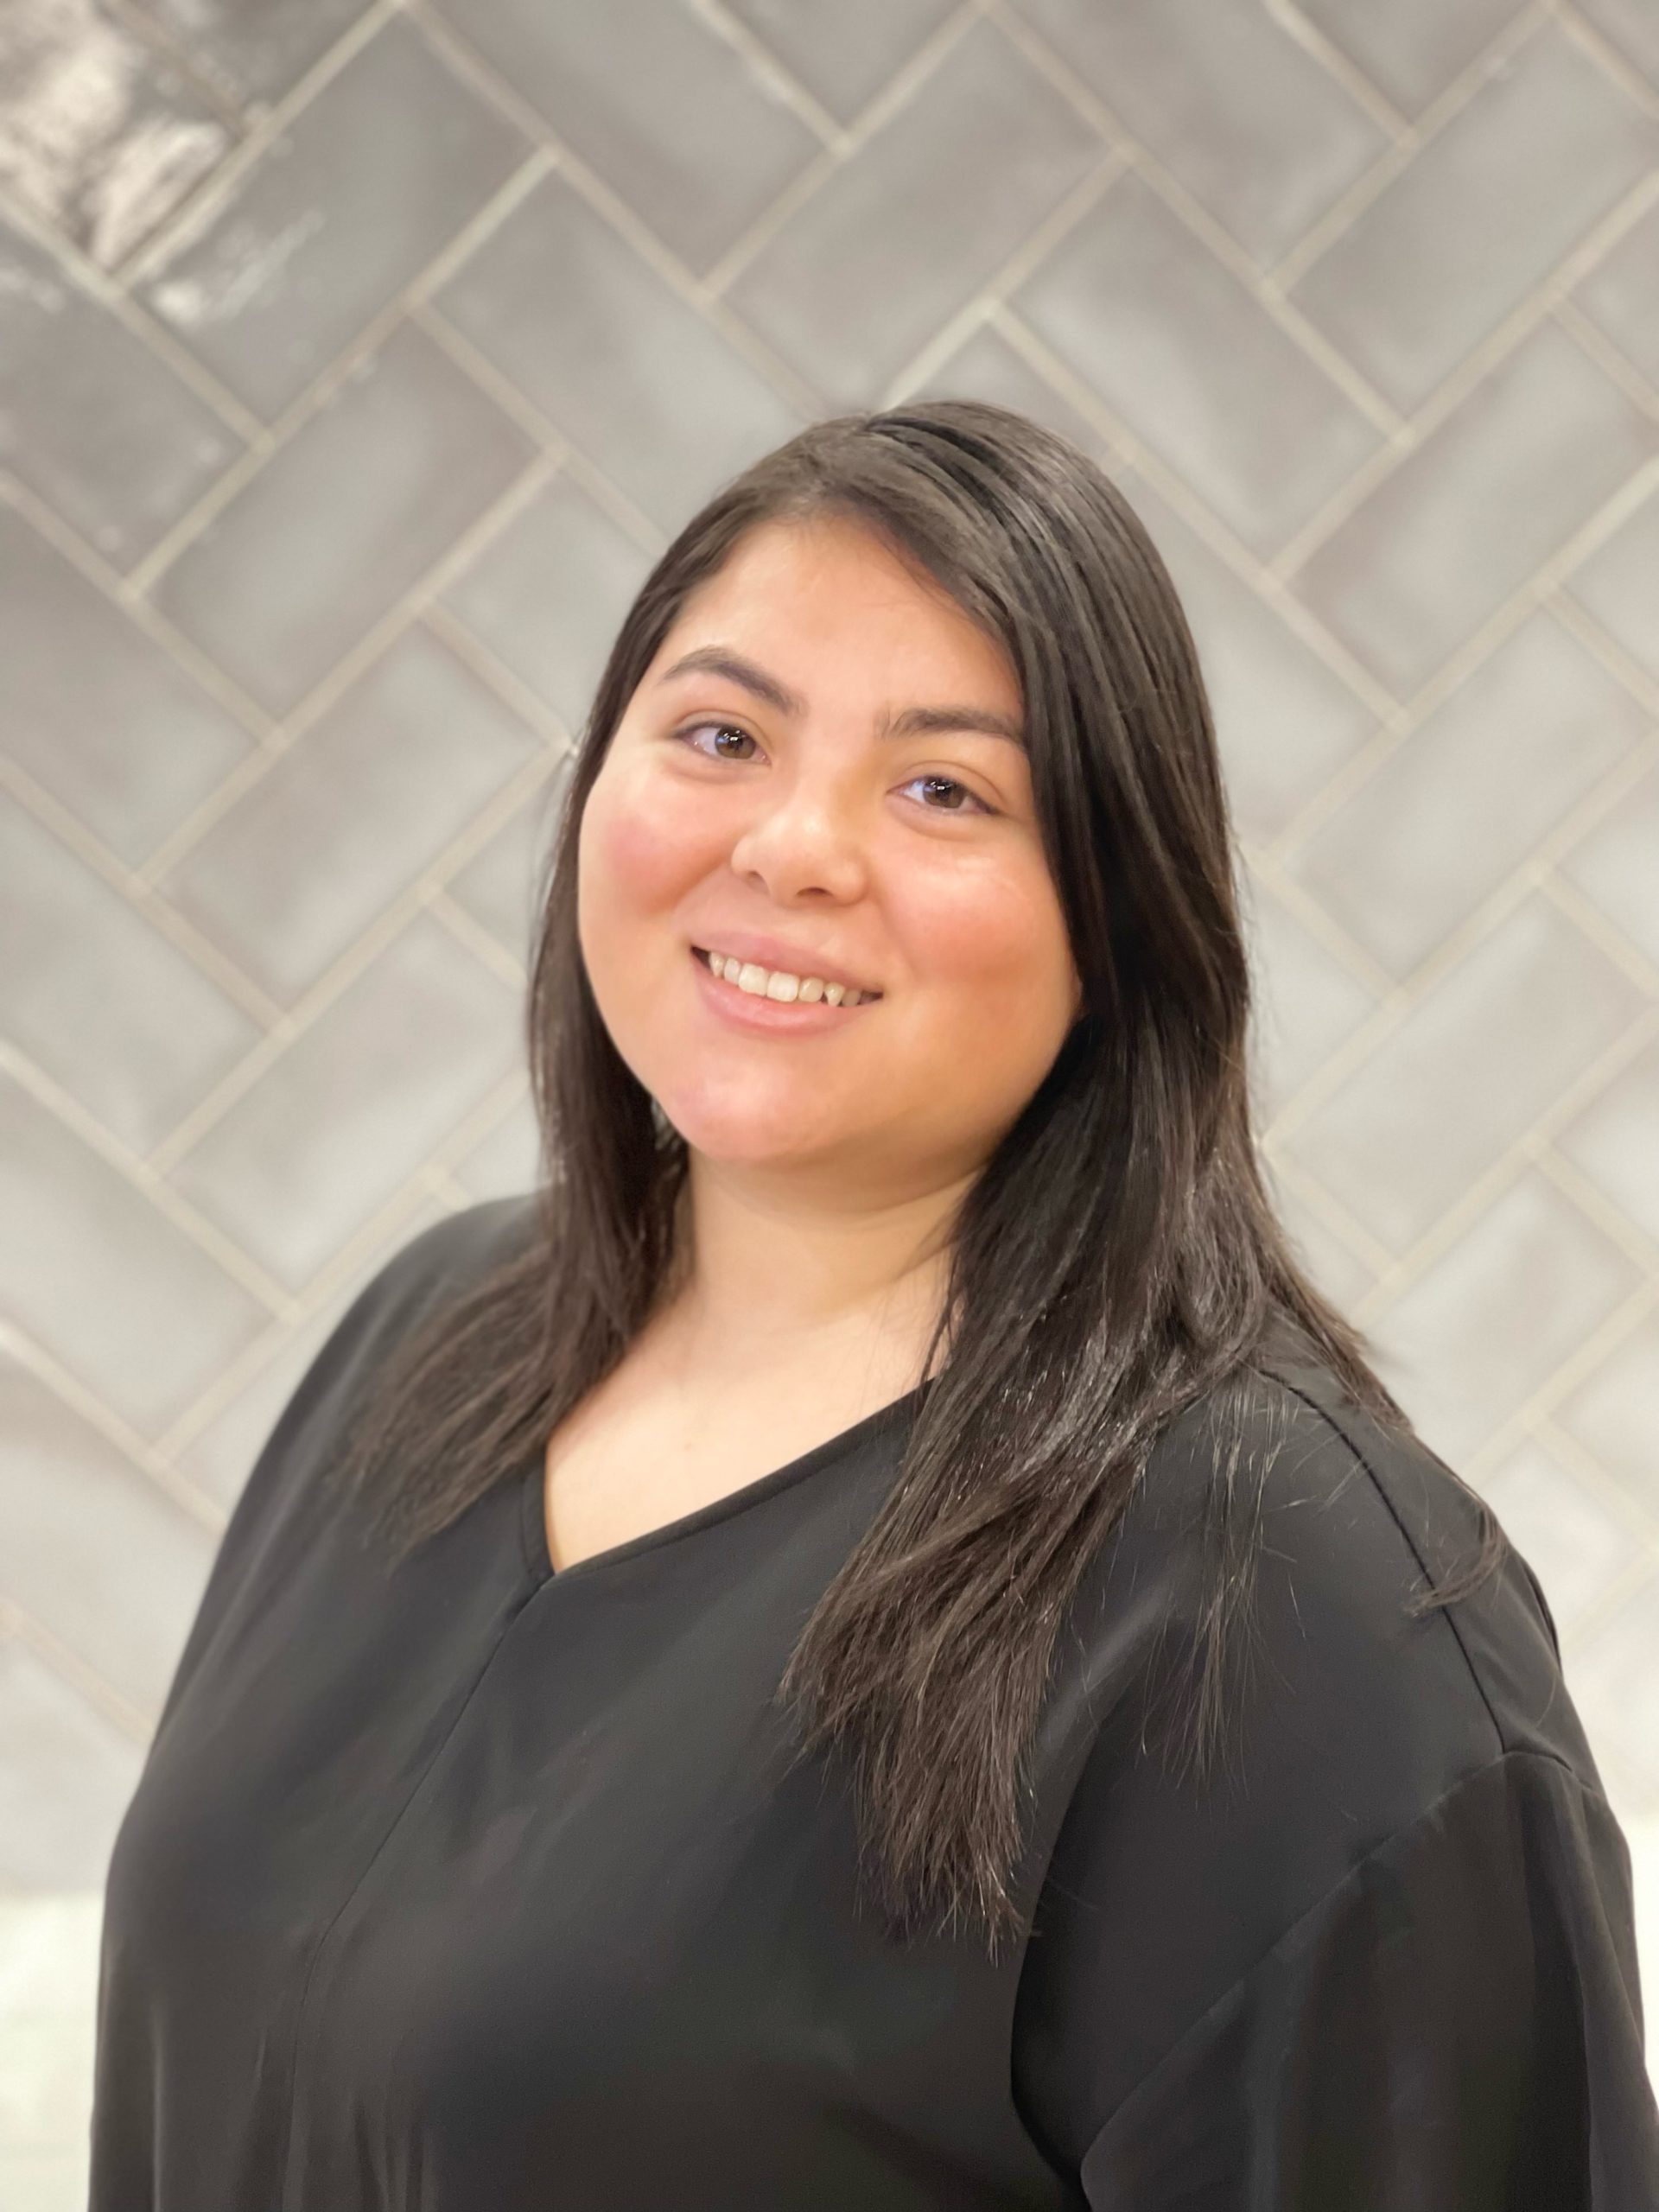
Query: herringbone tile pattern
{"x": 356, "y": 362}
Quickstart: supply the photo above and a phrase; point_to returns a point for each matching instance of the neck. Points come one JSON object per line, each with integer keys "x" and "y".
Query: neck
{"x": 768, "y": 1274}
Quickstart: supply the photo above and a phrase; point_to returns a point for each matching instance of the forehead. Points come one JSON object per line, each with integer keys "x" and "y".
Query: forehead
{"x": 845, "y": 605}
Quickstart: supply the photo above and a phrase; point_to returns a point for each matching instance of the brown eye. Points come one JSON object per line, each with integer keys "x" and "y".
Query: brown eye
{"x": 724, "y": 729}
{"x": 949, "y": 784}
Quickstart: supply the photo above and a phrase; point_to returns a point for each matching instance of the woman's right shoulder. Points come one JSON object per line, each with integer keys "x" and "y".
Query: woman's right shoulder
{"x": 435, "y": 1268}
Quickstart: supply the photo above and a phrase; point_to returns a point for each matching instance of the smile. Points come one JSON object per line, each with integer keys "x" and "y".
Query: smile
{"x": 777, "y": 986}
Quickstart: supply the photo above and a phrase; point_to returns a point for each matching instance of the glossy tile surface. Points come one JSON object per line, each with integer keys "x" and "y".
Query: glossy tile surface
{"x": 360, "y": 362}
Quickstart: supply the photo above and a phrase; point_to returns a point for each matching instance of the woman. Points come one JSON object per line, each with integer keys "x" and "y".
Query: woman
{"x": 875, "y": 1643}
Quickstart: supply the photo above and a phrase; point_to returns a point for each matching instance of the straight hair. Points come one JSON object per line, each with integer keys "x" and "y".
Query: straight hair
{"x": 1116, "y": 1259}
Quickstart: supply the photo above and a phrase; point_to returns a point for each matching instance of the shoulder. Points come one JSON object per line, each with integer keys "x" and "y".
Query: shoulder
{"x": 1362, "y": 1734}
{"x": 1347, "y": 1710}
{"x": 289, "y": 1510}
{"x": 437, "y": 1266}
{"x": 1348, "y": 1524}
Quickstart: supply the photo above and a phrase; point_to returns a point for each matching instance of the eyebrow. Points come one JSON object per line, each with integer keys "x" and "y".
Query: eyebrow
{"x": 913, "y": 722}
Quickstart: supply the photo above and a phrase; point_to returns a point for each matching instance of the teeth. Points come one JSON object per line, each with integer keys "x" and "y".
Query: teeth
{"x": 761, "y": 983}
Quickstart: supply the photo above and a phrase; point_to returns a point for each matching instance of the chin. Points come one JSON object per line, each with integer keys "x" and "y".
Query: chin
{"x": 750, "y": 1132}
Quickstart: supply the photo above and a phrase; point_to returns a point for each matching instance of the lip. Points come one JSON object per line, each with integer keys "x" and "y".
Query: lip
{"x": 771, "y": 953}
{"x": 765, "y": 1017}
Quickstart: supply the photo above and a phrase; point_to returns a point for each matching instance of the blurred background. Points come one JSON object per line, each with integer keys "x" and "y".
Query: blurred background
{"x": 356, "y": 364}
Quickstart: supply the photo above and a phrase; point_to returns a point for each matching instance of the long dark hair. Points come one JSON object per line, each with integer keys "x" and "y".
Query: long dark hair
{"x": 1116, "y": 1259}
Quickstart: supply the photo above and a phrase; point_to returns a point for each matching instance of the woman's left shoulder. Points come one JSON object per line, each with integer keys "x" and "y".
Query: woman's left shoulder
{"x": 1344, "y": 1703}
{"x": 1385, "y": 1772}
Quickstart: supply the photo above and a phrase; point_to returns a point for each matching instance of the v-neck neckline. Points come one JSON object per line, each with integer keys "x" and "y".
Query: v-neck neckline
{"x": 538, "y": 1559}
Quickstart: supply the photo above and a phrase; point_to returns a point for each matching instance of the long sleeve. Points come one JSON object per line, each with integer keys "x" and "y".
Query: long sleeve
{"x": 1455, "y": 2027}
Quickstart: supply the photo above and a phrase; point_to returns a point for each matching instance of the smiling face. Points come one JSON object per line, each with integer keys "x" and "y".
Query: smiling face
{"x": 779, "y": 807}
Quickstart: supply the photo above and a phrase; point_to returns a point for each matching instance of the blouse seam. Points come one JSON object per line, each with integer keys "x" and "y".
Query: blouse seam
{"x": 1323, "y": 1902}
{"x": 1331, "y": 1422}
{"x": 354, "y": 1890}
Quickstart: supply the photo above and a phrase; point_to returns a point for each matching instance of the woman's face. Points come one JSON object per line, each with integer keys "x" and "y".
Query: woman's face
{"x": 775, "y": 807}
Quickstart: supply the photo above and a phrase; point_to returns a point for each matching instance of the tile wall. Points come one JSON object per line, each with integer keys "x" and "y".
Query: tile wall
{"x": 356, "y": 363}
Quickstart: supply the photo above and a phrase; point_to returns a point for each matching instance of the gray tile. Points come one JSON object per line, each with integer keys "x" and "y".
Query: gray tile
{"x": 1329, "y": 1264}
{"x": 1614, "y": 1414}
{"x": 1574, "y": 1543}
{"x": 1479, "y": 217}
{"x": 1286, "y": 722}
{"x": 986, "y": 366}
{"x": 1474, "y": 1064}
{"x": 1615, "y": 1142}
{"x": 91, "y": 1548}
{"x": 257, "y": 49}
{"x": 220, "y": 1457}
{"x": 1495, "y": 1317}
{"x": 649, "y": 389}
{"x": 497, "y": 887}
{"x": 1613, "y": 865}
{"x": 1619, "y": 584}
{"x": 507, "y": 1162}
{"x": 844, "y": 56}
{"x": 1631, "y": 27}
{"x": 1621, "y": 297}
{"x": 896, "y": 240}
{"x": 1307, "y": 1003}
{"x": 393, "y": 157}
{"x": 98, "y": 998}
{"x": 350, "y": 815}
{"x": 1150, "y": 318}
{"x": 1469, "y": 516}
{"x": 548, "y": 593}
{"x": 1613, "y": 1678}
{"x": 658, "y": 106}
{"x": 66, "y": 1776}
{"x": 99, "y": 133}
{"x": 1456, "y": 807}
{"x": 1241, "y": 113}
{"x": 96, "y": 424}
{"x": 341, "y": 1121}
{"x": 346, "y": 518}
{"x": 1412, "y": 49}
{"x": 98, "y": 714}
{"x": 103, "y": 1281}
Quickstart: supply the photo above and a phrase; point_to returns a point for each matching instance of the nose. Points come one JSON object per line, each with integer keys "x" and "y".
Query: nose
{"x": 804, "y": 832}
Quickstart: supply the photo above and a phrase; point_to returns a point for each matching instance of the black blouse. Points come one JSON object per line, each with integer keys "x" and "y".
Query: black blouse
{"x": 478, "y": 1887}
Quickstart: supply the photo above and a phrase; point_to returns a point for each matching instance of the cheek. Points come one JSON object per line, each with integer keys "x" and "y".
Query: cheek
{"x": 637, "y": 853}
{"x": 998, "y": 933}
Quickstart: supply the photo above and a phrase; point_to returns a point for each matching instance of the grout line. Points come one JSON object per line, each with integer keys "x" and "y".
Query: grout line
{"x": 1067, "y": 212}
{"x": 141, "y": 1177}
{"x": 129, "y": 1719}
{"x": 79, "y": 271}
{"x": 146, "y": 1459}
{"x": 174, "y": 55}
{"x": 1507, "y": 1169}
{"x": 363, "y": 1252}
{"x": 346, "y": 970}
{"x": 186, "y": 223}
{"x": 142, "y": 612}
{"x": 1449, "y": 103}
{"x": 169, "y": 921}
{"x": 1339, "y": 64}
{"x": 451, "y": 630}
{"x": 1580, "y": 1364}
{"x": 1483, "y": 361}
{"x": 1605, "y": 1489}
{"x": 1610, "y": 57}
{"x": 1178, "y": 494}
{"x": 1573, "y": 615}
